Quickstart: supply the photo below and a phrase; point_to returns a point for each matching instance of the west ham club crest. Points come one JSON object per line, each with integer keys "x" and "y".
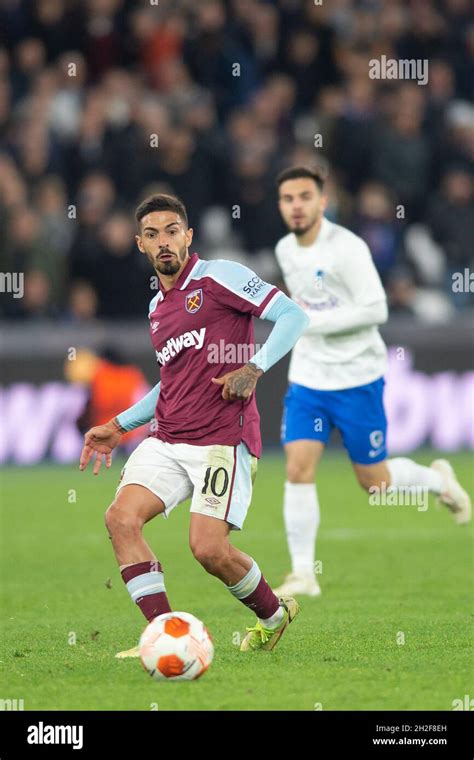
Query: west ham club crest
{"x": 193, "y": 301}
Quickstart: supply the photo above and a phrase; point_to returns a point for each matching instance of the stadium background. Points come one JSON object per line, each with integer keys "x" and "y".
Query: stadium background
{"x": 102, "y": 102}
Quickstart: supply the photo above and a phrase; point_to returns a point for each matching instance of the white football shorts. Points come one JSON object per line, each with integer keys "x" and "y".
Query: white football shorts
{"x": 218, "y": 478}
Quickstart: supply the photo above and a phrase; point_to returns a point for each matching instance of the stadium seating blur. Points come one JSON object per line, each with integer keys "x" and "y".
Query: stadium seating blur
{"x": 105, "y": 101}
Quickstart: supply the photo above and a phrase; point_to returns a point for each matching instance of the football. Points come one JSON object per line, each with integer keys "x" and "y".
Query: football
{"x": 176, "y": 646}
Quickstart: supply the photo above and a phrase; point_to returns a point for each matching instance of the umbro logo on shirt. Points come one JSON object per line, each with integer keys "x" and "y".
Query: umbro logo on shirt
{"x": 154, "y": 326}
{"x": 190, "y": 339}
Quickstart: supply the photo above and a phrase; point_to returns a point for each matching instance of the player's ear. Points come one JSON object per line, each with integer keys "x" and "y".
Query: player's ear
{"x": 324, "y": 202}
{"x": 189, "y": 236}
{"x": 139, "y": 243}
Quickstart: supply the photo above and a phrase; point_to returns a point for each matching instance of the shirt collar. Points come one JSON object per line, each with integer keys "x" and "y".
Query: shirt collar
{"x": 193, "y": 259}
{"x": 323, "y": 233}
{"x": 325, "y": 229}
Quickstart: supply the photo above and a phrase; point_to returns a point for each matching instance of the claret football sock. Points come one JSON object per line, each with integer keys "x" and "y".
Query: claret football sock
{"x": 254, "y": 591}
{"x": 146, "y": 586}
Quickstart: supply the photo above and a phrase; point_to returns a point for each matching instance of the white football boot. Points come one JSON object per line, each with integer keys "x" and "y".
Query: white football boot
{"x": 298, "y": 584}
{"x": 453, "y": 495}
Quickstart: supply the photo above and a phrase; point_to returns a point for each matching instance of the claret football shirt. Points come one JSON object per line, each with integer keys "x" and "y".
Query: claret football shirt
{"x": 200, "y": 329}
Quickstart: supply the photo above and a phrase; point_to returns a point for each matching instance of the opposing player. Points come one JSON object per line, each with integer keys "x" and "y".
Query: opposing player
{"x": 205, "y": 438}
{"x": 336, "y": 372}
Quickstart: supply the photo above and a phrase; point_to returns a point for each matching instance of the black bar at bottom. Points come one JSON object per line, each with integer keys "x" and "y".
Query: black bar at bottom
{"x": 303, "y": 734}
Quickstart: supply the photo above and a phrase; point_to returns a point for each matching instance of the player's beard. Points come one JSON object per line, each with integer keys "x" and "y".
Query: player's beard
{"x": 300, "y": 231}
{"x": 173, "y": 266}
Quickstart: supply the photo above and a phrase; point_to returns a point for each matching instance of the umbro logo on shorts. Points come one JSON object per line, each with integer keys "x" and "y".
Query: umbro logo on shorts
{"x": 212, "y": 501}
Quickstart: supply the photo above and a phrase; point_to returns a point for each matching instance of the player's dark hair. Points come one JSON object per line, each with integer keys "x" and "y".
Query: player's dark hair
{"x": 317, "y": 174}
{"x": 161, "y": 202}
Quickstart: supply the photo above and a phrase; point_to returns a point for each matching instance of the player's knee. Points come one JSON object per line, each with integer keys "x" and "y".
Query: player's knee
{"x": 209, "y": 554}
{"x": 299, "y": 472}
{"x": 367, "y": 479}
{"x": 120, "y": 520}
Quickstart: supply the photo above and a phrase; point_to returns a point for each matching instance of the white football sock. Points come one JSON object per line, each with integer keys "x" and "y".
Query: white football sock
{"x": 301, "y": 514}
{"x": 275, "y": 620}
{"x": 406, "y": 472}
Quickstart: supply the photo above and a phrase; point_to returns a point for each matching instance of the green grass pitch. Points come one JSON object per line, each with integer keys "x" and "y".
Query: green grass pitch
{"x": 391, "y": 631}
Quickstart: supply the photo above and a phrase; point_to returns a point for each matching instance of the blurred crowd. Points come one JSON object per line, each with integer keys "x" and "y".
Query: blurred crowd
{"x": 105, "y": 101}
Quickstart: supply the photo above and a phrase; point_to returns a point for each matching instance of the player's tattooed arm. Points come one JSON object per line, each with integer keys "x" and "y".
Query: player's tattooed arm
{"x": 239, "y": 384}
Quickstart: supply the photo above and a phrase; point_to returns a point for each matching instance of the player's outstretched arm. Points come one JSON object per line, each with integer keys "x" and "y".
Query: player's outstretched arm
{"x": 102, "y": 439}
{"x": 141, "y": 412}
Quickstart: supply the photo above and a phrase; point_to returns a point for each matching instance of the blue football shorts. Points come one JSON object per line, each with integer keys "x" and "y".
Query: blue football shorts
{"x": 358, "y": 413}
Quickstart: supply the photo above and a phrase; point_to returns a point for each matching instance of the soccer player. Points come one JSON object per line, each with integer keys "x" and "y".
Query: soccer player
{"x": 336, "y": 372}
{"x": 205, "y": 438}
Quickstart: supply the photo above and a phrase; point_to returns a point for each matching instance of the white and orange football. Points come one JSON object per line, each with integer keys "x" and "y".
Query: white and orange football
{"x": 176, "y": 646}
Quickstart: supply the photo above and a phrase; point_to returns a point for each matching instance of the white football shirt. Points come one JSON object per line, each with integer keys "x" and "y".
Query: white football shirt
{"x": 335, "y": 281}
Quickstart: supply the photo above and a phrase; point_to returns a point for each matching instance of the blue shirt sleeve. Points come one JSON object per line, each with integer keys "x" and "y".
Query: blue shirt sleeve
{"x": 141, "y": 412}
{"x": 290, "y": 323}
